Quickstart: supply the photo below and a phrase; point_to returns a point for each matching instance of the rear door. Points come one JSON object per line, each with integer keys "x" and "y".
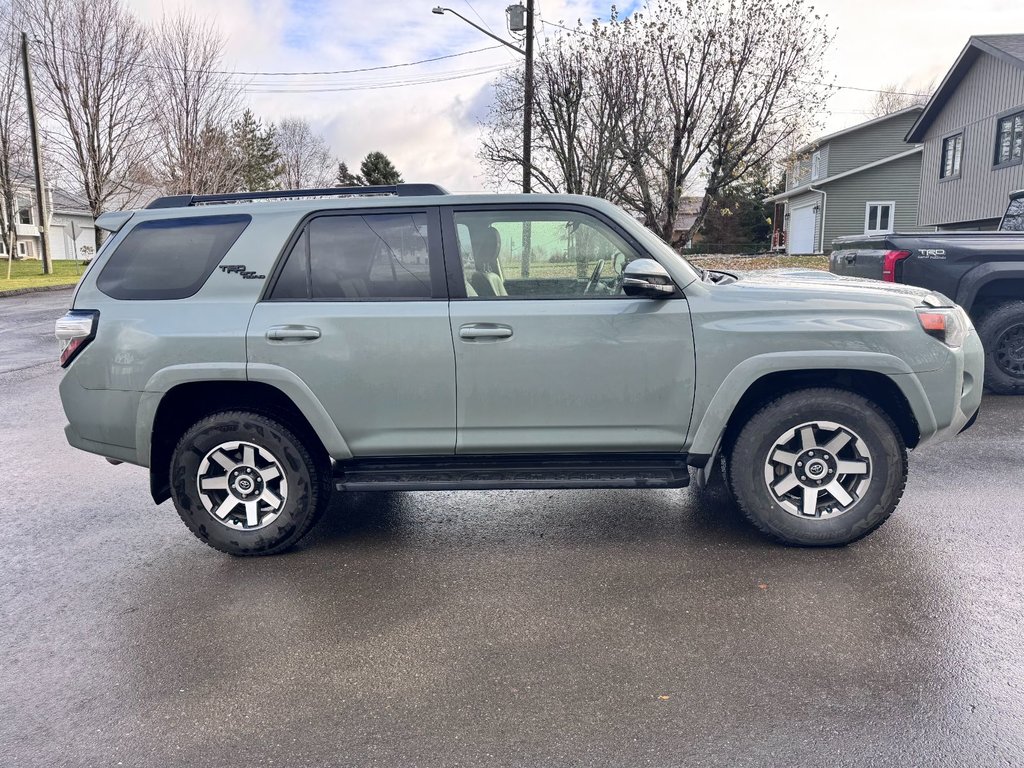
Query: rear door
{"x": 358, "y": 311}
{"x": 551, "y": 356}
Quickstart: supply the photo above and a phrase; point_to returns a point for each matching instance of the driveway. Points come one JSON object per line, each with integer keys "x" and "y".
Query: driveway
{"x": 617, "y": 628}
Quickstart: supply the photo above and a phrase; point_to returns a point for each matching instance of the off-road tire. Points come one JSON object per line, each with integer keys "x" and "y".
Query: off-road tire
{"x": 748, "y": 457}
{"x": 307, "y": 472}
{"x": 992, "y": 329}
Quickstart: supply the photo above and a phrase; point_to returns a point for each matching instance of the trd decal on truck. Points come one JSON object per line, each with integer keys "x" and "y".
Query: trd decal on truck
{"x": 933, "y": 253}
{"x": 239, "y": 269}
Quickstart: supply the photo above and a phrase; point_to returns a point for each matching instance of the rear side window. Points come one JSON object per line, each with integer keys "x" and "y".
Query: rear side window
{"x": 169, "y": 258}
{"x": 359, "y": 257}
{"x": 1013, "y": 221}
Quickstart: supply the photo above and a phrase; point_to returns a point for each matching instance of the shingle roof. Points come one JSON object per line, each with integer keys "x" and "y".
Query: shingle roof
{"x": 1008, "y": 48}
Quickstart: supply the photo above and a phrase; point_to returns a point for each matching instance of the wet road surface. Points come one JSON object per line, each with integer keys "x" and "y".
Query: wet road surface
{"x": 567, "y": 628}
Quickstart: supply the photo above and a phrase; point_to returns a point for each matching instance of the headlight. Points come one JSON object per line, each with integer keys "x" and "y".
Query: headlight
{"x": 950, "y": 326}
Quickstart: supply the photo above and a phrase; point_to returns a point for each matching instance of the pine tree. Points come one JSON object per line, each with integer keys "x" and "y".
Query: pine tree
{"x": 346, "y": 178}
{"x": 259, "y": 160}
{"x": 377, "y": 168}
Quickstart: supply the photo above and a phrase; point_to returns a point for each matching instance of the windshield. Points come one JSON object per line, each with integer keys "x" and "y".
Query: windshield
{"x": 665, "y": 253}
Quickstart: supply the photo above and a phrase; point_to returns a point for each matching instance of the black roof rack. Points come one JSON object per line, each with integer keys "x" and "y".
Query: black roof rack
{"x": 400, "y": 190}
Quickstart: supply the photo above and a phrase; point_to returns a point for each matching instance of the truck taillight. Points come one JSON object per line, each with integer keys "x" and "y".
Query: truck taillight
{"x": 76, "y": 329}
{"x": 892, "y": 258}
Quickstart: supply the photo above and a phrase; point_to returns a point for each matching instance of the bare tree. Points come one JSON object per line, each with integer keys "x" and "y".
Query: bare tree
{"x": 306, "y": 159}
{"x": 13, "y": 130}
{"x": 194, "y": 106}
{"x": 643, "y": 109}
{"x": 894, "y": 97}
{"x": 93, "y": 54}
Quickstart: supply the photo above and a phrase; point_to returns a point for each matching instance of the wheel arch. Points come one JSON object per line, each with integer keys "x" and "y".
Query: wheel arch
{"x": 988, "y": 285}
{"x": 175, "y": 410}
{"x": 893, "y": 388}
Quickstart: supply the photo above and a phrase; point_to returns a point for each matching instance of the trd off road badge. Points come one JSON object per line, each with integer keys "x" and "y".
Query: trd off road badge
{"x": 239, "y": 269}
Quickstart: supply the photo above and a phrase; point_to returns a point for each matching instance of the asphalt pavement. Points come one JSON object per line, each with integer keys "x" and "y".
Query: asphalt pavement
{"x": 618, "y": 628}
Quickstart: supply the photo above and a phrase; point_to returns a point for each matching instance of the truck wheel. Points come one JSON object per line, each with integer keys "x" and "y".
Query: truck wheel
{"x": 1002, "y": 335}
{"x": 818, "y": 467}
{"x": 246, "y": 485}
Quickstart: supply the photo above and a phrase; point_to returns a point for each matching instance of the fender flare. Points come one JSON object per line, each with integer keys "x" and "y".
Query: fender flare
{"x": 709, "y": 432}
{"x": 976, "y": 279}
{"x": 290, "y": 385}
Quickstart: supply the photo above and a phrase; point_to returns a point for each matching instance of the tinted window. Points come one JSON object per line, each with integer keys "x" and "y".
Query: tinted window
{"x": 540, "y": 254}
{"x": 169, "y": 258}
{"x": 375, "y": 256}
{"x": 1014, "y": 219}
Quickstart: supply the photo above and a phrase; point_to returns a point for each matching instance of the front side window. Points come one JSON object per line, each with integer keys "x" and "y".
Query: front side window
{"x": 356, "y": 257}
{"x": 1010, "y": 139}
{"x": 952, "y": 150}
{"x": 878, "y": 218}
{"x": 540, "y": 254}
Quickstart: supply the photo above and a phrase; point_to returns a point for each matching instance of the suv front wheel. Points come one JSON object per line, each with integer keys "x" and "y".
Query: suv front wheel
{"x": 818, "y": 467}
{"x": 245, "y": 484}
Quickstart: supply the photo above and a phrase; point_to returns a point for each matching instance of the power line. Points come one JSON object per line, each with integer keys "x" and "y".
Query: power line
{"x": 482, "y": 20}
{"x": 428, "y": 80}
{"x": 278, "y": 74}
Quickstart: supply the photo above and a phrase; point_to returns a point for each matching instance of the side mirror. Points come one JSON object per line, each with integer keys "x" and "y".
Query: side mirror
{"x": 648, "y": 279}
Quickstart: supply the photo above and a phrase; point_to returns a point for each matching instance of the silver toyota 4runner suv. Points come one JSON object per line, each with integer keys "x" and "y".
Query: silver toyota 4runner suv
{"x": 258, "y": 351}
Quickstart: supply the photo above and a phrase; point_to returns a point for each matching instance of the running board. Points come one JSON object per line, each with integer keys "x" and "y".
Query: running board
{"x": 518, "y": 471}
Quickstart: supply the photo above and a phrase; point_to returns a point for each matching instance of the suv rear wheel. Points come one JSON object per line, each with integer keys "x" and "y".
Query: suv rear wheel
{"x": 818, "y": 467}
{"x": 246, "y": 484}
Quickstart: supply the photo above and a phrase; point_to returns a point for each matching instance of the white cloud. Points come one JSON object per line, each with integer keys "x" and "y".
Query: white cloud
{"x": 429, "y": 130}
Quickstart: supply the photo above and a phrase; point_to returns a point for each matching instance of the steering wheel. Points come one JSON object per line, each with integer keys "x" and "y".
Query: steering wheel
{"x": 595, "y": 278}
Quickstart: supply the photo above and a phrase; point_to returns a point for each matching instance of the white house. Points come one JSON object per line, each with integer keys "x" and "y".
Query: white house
{"x": 72, "y": 229}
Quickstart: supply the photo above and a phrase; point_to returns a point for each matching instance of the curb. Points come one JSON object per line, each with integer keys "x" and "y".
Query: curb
{"x": 36, "y": 289}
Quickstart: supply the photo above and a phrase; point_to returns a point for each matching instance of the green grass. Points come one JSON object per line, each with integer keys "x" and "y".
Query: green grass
{"x": 28, "y": 273}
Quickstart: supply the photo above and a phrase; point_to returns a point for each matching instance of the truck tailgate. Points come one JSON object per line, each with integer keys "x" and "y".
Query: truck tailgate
{"x": 853, "y": 261}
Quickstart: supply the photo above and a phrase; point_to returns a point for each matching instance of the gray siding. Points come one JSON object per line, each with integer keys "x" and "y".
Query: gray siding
{"x": 990, "y": 88}
{"x": 896, "y": 182}
{"x": 872, "y": 143}
{"x": 799, "y": 173}
{"x": 808, "y": 198}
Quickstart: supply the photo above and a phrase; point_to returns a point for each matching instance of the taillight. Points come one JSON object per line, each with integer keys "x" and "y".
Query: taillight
{"x": 76, "y": 329}
{"x": 892, "y": 258}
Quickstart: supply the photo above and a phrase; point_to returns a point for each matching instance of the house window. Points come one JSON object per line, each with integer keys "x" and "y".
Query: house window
{"x": 878, "y": 218}
{"x": 952, "y": 149}
{"x": 1009, "y": 139}
{"x": 816, "y": 166}
{"x": 24, "y": 210}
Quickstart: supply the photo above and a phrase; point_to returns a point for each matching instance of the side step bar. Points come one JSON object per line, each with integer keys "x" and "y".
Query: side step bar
{"x": 516, "y": 471}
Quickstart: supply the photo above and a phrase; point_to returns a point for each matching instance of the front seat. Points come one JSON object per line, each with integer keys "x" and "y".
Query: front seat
{"x": 486, "y": 280}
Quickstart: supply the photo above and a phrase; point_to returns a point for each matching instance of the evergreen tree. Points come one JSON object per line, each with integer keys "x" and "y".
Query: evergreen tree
{"x": 377, "y": 169}
{"x": 346, "y": 178}
{"x": 259, "y": 161}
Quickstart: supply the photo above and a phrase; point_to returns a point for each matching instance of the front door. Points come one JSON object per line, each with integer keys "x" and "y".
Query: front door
{"x": 551, "y": 356}
{"x": 359, "y": 313}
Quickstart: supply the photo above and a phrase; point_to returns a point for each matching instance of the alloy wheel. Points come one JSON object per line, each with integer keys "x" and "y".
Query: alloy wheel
{"x": 1009, "y": 351}
{"x": 242, "y": 485}
{"x": 818, "y": 470}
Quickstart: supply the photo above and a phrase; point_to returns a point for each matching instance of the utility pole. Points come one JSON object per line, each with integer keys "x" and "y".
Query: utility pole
{"x": 37, "y": 161}
{"x": 528, "y": 101}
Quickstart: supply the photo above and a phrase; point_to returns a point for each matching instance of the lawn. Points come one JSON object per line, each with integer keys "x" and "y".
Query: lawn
{"x": 28, "y": 273}
{"x": 746, "y": 263}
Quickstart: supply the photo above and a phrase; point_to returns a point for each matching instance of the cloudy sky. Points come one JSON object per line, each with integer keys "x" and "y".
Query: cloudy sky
{"x": 430, "y": 127}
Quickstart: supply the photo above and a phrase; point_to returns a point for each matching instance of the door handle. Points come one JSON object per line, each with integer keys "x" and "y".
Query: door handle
{"x": 293, "y": 333}
{"x": 851, "y": 258}
{"x": 485, "y": 331}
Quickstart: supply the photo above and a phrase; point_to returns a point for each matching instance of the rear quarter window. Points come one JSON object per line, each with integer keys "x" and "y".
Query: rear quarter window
{"x": 169, "y": 258}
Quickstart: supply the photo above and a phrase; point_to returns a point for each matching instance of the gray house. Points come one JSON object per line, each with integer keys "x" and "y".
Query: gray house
{"x": 972, "y": 130}
{"x": 859, "y": 180}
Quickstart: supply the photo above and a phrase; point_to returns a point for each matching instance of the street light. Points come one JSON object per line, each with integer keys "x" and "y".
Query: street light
{"x": 516, "y": 13}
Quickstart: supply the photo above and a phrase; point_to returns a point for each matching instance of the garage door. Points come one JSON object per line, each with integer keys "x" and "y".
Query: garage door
{"x": 801, "y": 230}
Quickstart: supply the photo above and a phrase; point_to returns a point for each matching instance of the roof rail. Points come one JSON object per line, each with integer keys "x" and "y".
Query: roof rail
{"x": 399, "y": 190}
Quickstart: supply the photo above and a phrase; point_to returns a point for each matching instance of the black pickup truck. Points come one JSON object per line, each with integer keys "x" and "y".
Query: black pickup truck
{"x": 982, "y": 271}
